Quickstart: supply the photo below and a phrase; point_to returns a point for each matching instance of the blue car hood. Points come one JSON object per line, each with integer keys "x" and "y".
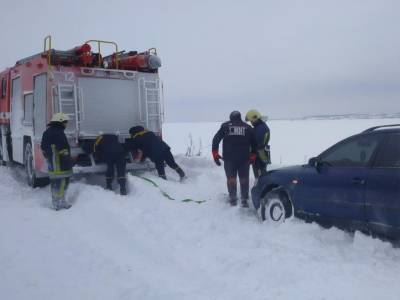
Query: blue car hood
{"x": 291, "y": 170}
{"x": 282, "y": 177}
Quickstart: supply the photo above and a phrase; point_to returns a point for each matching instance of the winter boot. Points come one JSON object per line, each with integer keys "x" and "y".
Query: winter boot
{"x": 123, "y": 190}
{"x": 233, "y": 200}
{"x": 56, "y": 197}
{"x": 109, "y": 184}
{"x": 180, "y": 172}
{"x": 245, "y": 198}
{"x": 122, "y": 184}
{"x": 65, "y": 204}
{"x": 163, "y": 176}
{"x": 245, "y": 203}
{"x": 56, "y": 204}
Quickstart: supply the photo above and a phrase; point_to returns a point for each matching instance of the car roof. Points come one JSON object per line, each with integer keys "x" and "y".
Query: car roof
{"x": 386, "y": 128}
{"x": 377, "y": 130}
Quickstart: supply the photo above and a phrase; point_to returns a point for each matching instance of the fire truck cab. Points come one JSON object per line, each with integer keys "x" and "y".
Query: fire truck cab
{"x": 100, "y": 94}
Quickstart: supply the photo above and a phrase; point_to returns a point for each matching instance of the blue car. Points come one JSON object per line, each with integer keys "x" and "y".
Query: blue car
{"x": 353, "y": 185}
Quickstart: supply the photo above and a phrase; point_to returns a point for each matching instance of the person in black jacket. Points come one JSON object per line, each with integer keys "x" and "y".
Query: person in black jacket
{"x": 262, "y": 135}
{"x": 154, "y": 148}
{"x": 109, "y": 150}
{"x": 238, "y": 149}
{"x": 57, "y": 152}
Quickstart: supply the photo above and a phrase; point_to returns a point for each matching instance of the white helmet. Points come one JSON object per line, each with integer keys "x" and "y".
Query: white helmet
{"x": 59, "y": 117}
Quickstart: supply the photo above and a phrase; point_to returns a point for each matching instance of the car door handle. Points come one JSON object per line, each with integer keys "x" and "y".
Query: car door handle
{"x": 357, "y": 180}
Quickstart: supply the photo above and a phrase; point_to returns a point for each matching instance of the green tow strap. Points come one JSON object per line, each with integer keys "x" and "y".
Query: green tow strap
{"x": 166, "y": 195}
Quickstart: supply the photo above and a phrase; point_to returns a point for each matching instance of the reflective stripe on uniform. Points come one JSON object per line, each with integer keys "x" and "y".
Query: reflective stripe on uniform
{"x": 61, "y": 192}
{"x": 139, "y": 133}
{"x": 53, "y": 156}
{"x": 60, "y": 174}
{"x": 266, "y": 138}
{"x": 262, "y": 154}
{"x": 97, "y": 143}
{"x": 56, "y": 172}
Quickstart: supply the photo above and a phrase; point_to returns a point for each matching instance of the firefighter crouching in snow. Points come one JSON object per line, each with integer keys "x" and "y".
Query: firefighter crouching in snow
{"x": 238, "y": 150}
{"x": 154, "y": 148}
{"x": 56, "y": 150}
{"x": 262, "y": 135}
{"x": 109, "y": 150}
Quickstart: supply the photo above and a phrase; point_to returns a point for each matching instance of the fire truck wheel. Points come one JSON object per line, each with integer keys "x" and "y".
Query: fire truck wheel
{"x": 33, "y": 181}
{"x": 30, "y": 172}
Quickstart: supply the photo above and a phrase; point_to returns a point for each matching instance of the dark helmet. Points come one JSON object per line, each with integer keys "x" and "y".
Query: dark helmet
{"x": 235, "y": 116}
{"x": 135, "y": 129}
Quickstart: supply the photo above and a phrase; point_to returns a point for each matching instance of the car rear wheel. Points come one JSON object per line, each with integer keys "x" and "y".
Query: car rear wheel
{"x": 276, "y": 207}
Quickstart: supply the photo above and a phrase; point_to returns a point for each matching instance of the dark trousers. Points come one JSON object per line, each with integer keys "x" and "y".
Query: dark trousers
{"x": 120, "y": 165}
{"x": 234, "y": 169}
{"x": 169, "y": 160}
{"x": 259, "y": 168}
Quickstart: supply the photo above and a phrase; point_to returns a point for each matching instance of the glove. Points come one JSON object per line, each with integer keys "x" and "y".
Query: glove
{"x": 216, "y": 157}
{"x": 252, "y": 158}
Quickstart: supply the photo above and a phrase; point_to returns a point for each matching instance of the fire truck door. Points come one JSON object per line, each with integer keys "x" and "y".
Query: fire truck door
{"x": 17, "y": 111}
{"x": 39, "y": 108}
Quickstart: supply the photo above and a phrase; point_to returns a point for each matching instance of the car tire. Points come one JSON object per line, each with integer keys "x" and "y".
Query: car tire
{"x": 32, "y": 180}
{"x": 276, "y": 207}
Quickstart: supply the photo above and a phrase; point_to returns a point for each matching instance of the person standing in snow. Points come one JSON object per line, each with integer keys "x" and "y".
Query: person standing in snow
{"x": 154, "y": 148}
{"x": 262, "y": 135}
{"x": 57, "y": 152}
{"x": 109, "y": 150}
{"x": 238, "y": 150}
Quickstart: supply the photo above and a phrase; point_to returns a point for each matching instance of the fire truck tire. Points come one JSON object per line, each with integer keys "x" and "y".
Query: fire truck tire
{"x": 33, "y": 181}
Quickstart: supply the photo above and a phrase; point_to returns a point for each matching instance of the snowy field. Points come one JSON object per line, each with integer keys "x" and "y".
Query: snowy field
{"x": 144, "y": 246}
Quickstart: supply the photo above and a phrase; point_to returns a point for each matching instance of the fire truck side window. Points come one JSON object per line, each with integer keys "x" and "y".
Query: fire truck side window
{"x": 3, "y": 87}
{"x": 28, "y": 109}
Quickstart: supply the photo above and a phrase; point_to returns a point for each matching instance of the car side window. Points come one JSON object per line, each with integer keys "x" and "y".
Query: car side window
{"x": 356, "y": 152}
{"x": 389, "y": 156}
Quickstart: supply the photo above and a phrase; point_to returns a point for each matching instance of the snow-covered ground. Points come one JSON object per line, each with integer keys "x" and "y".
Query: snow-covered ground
{"x": 144, "y": 246}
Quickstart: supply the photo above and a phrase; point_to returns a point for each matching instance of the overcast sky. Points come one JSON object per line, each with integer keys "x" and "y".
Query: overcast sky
{"x": 284, "y": 58}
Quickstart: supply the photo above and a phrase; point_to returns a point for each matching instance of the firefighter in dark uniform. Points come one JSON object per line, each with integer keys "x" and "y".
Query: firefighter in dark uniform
{"x": 262, "y": 135}
{"x": 238, "y": 150}
{"x": 57, "y": 152}
{"x": 108, "y": 149}
{"x": 154, "y": 148}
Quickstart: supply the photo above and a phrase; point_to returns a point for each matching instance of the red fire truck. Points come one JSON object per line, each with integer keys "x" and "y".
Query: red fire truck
{"x": 100, "y": 94}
